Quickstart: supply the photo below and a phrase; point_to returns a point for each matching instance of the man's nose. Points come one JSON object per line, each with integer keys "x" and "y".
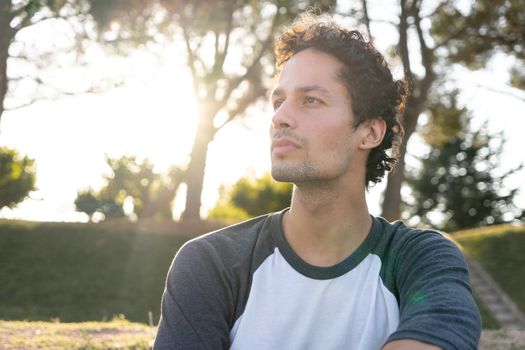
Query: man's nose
{"x": 283, "y": 117}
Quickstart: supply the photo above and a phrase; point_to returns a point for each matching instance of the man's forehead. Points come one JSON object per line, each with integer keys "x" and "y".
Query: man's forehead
{"x": 309, "y": 70}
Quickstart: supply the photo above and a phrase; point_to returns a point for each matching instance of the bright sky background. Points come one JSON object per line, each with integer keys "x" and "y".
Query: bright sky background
{"x": 154, "y": 116}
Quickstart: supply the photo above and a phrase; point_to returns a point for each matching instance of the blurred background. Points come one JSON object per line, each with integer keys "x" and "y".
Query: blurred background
{"x": 128, "y": 126}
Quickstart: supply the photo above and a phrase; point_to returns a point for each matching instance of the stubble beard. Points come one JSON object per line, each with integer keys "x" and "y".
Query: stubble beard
{"x": 294, "y": 174}
{"x": 309, "y": 173}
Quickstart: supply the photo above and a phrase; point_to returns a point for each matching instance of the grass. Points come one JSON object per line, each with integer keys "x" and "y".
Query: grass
{"x": 500, "y": 250}
{"x": 117, "y": 334}
{"x": 79, "y": 272}
{"x": 124, "y": 335}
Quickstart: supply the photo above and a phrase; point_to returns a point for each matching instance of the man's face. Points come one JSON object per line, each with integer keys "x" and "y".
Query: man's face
{"x": 312, "y": 134}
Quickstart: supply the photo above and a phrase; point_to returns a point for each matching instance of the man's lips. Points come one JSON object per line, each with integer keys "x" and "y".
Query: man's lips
{"x": 282, "y": 146}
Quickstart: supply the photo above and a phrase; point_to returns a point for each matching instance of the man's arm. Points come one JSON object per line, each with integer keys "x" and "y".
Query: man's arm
{"x": 409, "y": 344}
{"x": 196, "y": 304}
{"x": 435, "y": 300}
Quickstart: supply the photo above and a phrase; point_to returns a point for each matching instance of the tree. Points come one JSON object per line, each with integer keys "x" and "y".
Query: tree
{"x": 457, "y": 182}
{"x": 91, "y": 202}
{"x": 87, "y": 202}
{"x": 23, "y": 64}
{"x": 252, "y": 197}
{"x": 488, "y": 27}
{"x": 17, "y": 177}
{"x": 429, "y": 36}
{"x": 18, "y": 15}
{"x": 134, "y": 181}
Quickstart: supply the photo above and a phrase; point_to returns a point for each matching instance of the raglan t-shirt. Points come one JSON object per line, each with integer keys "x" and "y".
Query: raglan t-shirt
{"x": 244, "y": 288}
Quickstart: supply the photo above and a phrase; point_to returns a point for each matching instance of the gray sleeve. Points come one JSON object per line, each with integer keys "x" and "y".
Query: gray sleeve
{"x": 197, "y": 305}
{"x": 435, "y": 299}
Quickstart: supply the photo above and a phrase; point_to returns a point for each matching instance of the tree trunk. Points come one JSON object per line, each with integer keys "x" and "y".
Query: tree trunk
{"x": 415, "y": 103}
{"x": 5, "y": 41}
{"x": 195, "y": 173}
{"x": 3, "y": 79}
{"x": 392, "y": 196}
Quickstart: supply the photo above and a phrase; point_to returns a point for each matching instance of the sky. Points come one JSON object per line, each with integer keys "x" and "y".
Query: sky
{"x": 153, "y": 115}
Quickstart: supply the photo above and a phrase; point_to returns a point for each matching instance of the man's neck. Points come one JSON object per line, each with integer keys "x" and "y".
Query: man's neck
{"x": 326, "y": 224}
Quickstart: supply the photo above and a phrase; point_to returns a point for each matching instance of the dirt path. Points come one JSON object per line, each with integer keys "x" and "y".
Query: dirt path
{"x": 502, "y": 340}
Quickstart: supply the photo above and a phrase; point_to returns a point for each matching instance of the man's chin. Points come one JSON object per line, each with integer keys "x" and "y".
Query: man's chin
{"x": 289, "y": 174}
{"x": 281, "y": 176}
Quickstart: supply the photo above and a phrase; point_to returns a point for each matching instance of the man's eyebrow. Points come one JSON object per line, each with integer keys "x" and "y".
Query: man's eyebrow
{"x": 318, "y": 88}
{"x": 306, "y": 88}
{"x": 276, "y": 92}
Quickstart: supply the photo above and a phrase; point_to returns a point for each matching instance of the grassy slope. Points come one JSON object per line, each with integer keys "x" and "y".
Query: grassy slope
{"x": 500, "y": 249}
{"x": 77, "y": 272}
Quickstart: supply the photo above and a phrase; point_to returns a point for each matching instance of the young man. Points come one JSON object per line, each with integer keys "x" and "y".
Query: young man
{"x": 323, "y": 274}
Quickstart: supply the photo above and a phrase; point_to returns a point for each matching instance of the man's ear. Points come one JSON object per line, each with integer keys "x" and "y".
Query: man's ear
{"x": 373, "y": 132}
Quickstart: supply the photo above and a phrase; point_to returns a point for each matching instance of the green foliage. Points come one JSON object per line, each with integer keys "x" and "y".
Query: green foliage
{"x": 17, "y": 177}
{"x": 260, "y": 196}
{"x": 488, "y": 27}
{"x": 250, "y": 197}
{"x": 228, "y": 212}
{"x": 457, "y": 179}
{"x": 33, "y": 7}
{"x": 136, "y": 181}
{"x": 90, "y": 202}
{"x": 445, "y": 119}
{"x": 87, "y": 202}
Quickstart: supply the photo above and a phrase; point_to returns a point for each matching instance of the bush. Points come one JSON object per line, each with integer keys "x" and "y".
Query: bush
{"x": 17, "y": 177}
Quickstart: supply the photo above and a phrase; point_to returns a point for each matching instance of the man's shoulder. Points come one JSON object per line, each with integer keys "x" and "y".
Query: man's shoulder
{"x": 235, "y": 234}
{"x": 397, "y": 233}
{"x": 228, "y": 243}
{"x": 407, "y": 247}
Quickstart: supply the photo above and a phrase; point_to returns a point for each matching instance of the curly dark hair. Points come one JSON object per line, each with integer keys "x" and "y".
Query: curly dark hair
{"x": 372, "y": 90}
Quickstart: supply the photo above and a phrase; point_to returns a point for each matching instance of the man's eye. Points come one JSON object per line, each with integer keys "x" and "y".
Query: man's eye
{"x": 276, "y": 104}
{"x": 311, "y": 100}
